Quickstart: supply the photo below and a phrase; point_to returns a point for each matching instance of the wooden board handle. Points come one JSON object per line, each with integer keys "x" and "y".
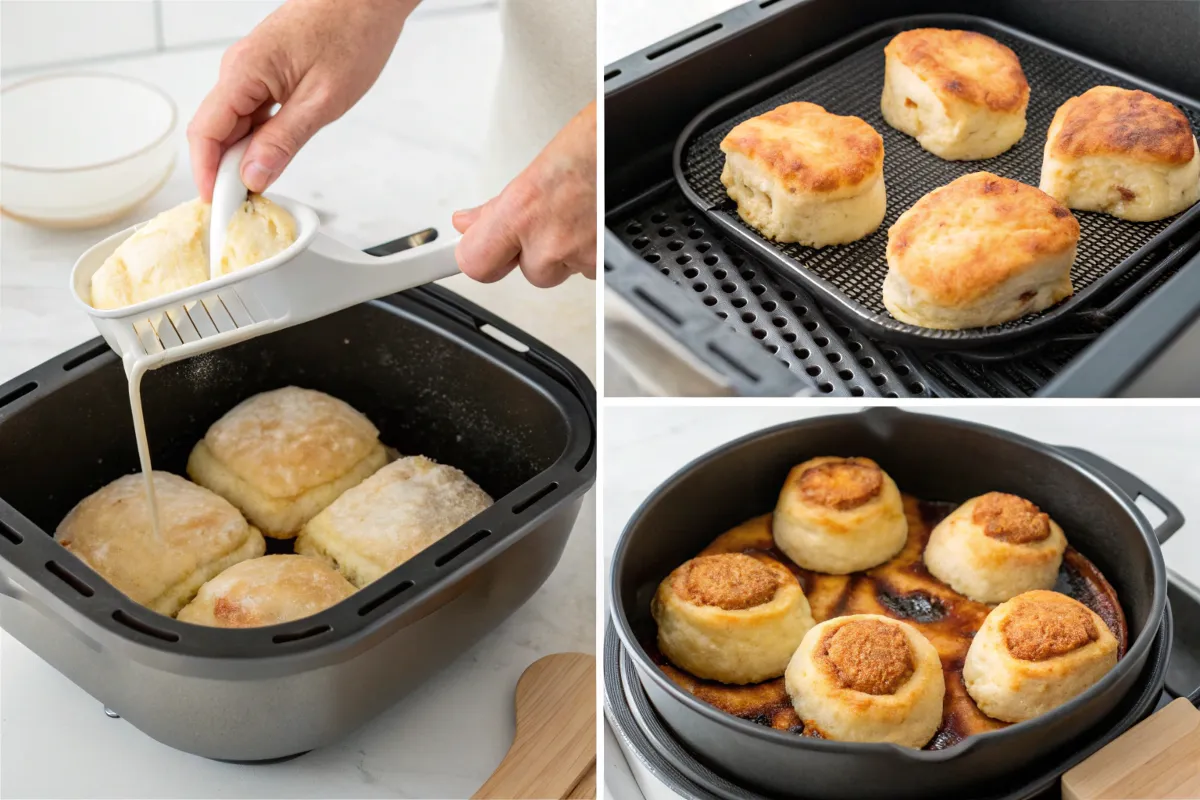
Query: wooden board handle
{"x": 555, "y": 743}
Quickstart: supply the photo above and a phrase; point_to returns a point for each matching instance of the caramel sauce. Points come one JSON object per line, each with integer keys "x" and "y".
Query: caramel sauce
{"x": 902, "y": 589}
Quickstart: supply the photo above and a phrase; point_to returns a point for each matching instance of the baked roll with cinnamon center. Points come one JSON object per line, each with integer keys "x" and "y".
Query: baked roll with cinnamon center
{"x": 867, "y": 678}
{"x": 996, "y": 546}
{"x": 1034, "y": 653}
{"x": 839, "y": 515}
{"x": 731, "y": 617}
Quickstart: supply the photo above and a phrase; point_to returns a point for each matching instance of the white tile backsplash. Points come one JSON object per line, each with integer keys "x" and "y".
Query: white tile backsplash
{"x": 39, "y": 32}
{"x": 187, "y": 22}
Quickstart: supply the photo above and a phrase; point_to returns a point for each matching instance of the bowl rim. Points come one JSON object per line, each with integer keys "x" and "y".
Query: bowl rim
{"x": 171, "y": 125}
{"x": 1135, "y": 652}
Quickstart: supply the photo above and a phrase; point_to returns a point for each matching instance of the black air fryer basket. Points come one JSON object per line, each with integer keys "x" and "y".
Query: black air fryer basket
{"x": 423, "y": 368}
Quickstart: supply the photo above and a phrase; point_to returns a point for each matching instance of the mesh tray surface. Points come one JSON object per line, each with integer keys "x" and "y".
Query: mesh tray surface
{"x": 850, "y": 277}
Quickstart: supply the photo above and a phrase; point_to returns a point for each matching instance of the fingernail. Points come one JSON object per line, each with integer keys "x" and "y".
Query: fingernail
{"x": 257, "y": 177}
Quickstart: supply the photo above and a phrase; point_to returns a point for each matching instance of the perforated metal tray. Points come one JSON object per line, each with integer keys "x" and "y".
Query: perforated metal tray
{"x": 847, "y": 78}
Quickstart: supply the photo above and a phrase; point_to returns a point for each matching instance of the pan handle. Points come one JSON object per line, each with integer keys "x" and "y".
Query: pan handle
{"x": 1133, "y": 486}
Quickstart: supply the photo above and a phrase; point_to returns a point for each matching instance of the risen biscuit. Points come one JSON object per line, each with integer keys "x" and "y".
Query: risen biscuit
{"x": 201, "y": 535}
{"x": 1123, "y": 152}
{"x": 961, "y": 94}
{"x": 839, "y": 515}
{"x": 284, "y": 455}
{"x": 731, "y": 617}
{"x": 267, "y": 591}
{"x": 867, "y": 678}
{"x": 979, "y": 251}
{"x": 1034, "y": 653}
{"x": 994, "y": 547}
{"x": 390, "y": 517}
{"x": 801, "y": 174}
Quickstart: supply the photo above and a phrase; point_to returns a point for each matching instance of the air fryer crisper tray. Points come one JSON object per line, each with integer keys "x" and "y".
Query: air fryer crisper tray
{"x": 847, "y": 78}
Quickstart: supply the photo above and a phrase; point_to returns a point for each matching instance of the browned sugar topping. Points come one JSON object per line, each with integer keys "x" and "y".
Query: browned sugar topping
{"x": 1011, "y": 519}
{"x": 844, "y": 484}
{"x": 731, "y": 581}
{"x": 867, "y": 655}
{"x": 1039, "y": 628}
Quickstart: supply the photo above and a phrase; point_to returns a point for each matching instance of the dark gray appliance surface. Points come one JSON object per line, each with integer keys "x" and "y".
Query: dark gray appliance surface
{"x": 629, "y": 711}
{"x": 652, "y": 95}
{"x": 421, "y": 366}
{"x": 933, "y": 458}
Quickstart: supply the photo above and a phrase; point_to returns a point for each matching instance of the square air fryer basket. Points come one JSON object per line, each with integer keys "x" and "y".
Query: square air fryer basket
{"x": 515, "y": 416}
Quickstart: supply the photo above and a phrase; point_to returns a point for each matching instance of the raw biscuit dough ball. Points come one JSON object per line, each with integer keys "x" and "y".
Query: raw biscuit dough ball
{"x": 961, "y": 94}
{"x": 390, "y": 517}
{"x": 1123, "y": 152}
{"x": 282, "y": 456}
{"x": 267, "y": 591}
{"x": 731, "y": 617}
{"x": 201, "y": 535}
{"x": 994, "y": 547}
{"x": 801, "y": 174}
{"x": 867, "y": 678}
{"x": 839, "y": 515}
{"x": 1034, "y": 653}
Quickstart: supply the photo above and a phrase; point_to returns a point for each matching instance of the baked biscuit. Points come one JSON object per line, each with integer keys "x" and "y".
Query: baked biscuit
{"x": 201, "y": 535}
{"x": 994, "y": 547}
{"x": 979, "y": 251}
{"x": 961, "y": 94}
{"x": 284, "y": 455}
{"x": 390, "y": 517}
{"x": 801, "y": 174}
{"x": 839, "y": 515}
{"x": 867, "y": 678}
{"x": 267, "y": 591}
{"x": 731, "y": 617}
{"x": 1124, "y": 152}
{"x": 1034, "y": 653}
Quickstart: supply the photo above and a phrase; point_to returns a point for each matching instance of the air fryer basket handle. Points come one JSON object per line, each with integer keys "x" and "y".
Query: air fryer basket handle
{"x": 1132, "y": 486}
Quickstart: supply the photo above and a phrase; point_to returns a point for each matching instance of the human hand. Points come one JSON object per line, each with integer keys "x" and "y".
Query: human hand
{"x": 316, "y": 59}
{"x": 544, "y": 220}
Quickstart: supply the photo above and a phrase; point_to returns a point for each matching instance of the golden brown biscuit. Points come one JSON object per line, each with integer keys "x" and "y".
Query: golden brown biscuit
{"x": 730, "y": 617}
{"x": 201, "y": 535}
{"x": 839, "y": 515}
{"x": 267, "y": 591}
{"x": 284, "y": 455}
{"x": 1124, "y": 152}
{"x": 390, "y": 517}
{"x": 867, "y": 678}
{"x": 801, "y": 174}
{"x": 979, "y": 251}
{"x": 961, "y": 94}
{"x": 1034, "y": 653}
{"x": 994, "y": 547}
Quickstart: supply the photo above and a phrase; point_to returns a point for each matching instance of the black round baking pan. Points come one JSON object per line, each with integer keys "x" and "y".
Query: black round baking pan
{"x": 629, "y": 710}
{"x": 509, "y": 411}
{"x": 932, "y": 458}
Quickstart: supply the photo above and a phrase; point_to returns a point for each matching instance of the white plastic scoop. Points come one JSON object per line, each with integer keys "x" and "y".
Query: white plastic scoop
{"x": 316, "y": 276}
{"x": 228, "y": 195}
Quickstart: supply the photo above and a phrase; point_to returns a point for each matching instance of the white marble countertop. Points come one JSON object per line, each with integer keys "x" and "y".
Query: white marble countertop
{"x": 405, "y": 156}
{"x": 643, "y": 446}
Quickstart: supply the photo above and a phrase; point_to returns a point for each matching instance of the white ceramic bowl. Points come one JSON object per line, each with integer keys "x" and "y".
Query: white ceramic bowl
{"x": 81, "y": 149}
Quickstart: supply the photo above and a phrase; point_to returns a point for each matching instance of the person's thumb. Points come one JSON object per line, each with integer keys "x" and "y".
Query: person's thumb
{"x": 276, "y": 143}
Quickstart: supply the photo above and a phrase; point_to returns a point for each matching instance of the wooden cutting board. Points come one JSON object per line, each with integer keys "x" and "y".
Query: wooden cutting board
{"x": 1157, "y": 758}
{"x": 553, "y": 754}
